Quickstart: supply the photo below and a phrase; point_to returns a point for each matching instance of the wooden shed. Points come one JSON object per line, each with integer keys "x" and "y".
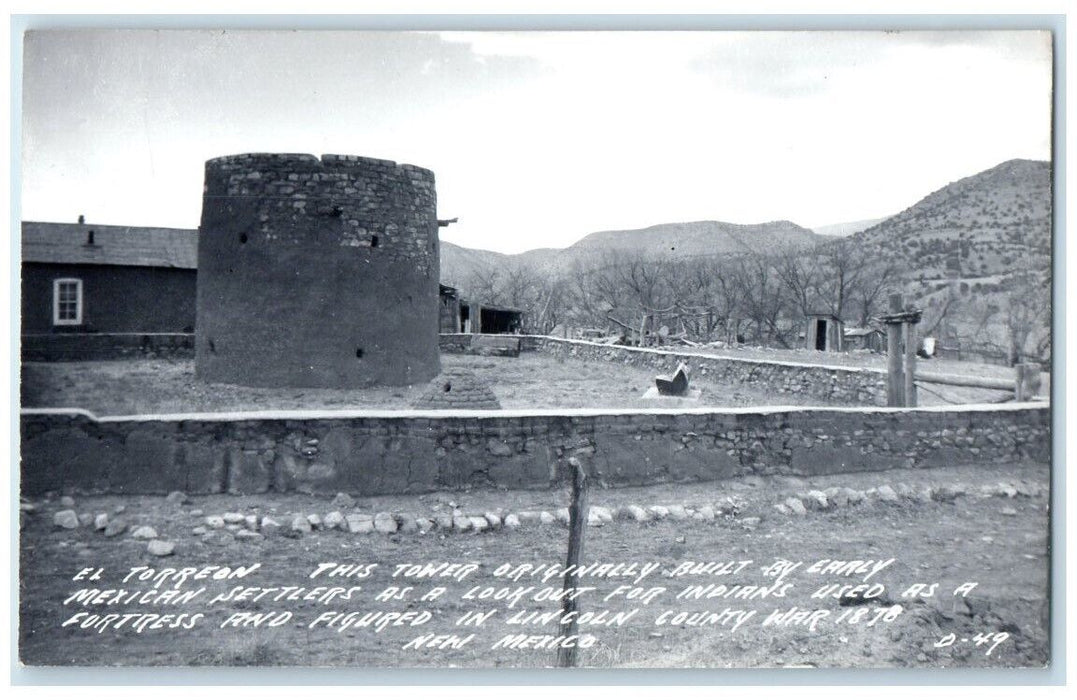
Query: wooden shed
{"x": 824, "y": 332}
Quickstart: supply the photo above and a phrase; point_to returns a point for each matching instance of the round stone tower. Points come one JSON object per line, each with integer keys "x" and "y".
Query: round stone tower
{"x": 317, "y": 272}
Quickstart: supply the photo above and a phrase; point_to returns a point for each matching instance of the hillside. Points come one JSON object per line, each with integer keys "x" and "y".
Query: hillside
{"x": 847, "y": 228}
{"x": 989, "y": 224}
{"x": 977, "y": 259}
{"x": 701, "y": 238}
{"x": 974, "y": 255}
{"x": 677, "y": 240}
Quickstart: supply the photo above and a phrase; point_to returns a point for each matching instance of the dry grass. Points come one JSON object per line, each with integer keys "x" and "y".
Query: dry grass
{"x": 532, "y": 380}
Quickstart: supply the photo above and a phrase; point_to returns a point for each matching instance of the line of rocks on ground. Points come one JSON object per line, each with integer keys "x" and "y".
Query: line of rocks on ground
{"x": 226, "y": 528}
{"x": 841, "y": 496}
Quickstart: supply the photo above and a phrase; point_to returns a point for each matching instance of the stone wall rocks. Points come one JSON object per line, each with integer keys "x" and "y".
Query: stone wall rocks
{"x": 416, "y": 452}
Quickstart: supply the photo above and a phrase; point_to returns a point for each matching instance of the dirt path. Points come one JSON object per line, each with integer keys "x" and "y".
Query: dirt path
{"x": 978, "y": 534}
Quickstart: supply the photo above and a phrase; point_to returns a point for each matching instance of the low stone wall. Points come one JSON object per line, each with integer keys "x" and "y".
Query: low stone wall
{"x": 850, "y": 385}
{"x": 455, "y": 343}
{"x": 387, "y": 452}
{"x": 59, "y": 347}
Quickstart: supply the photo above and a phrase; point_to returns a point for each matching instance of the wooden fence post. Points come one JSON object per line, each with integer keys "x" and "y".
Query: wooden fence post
{"x": 1027, "y": 383}
{"x": 577, "y": 521}
{"x": 910, "y": 364}
{"x": 475, "y": 314}
{"x": 895, "y": 387}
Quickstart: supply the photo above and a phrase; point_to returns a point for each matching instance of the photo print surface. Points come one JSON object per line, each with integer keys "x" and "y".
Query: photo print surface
{"x": 378, "y": 349}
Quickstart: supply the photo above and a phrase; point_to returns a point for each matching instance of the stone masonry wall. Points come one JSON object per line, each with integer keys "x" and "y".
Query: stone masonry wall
{"x": 847, "y": 385}
{"x": 422, "y": 451}
{"x": 317, "y": 272}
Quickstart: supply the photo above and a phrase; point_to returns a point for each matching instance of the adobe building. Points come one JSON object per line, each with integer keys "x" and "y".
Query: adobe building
{"x": 317, "y": 272}
{"x": 456, "y": 315}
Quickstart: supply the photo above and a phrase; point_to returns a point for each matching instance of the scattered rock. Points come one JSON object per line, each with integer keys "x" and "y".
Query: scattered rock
{"x": 406, "y": 523}
{"x": 233, "y": 518}
{"x": 546, "y": 519}
{"x": 1004, "y": 489}
{"x": 677, "y": 513}
{"x": 200, "y": 530}
{"x": 706, "y": 513}
{"x": 905, "y": 491}
{"x": 795, "y": 506}
{"x": 853, "y": 495}
{"x": 119, "y": 508}
{"x": 562, "y": 515}
{"x": 85, "y": 519}
{"x": 245, "y": 534}
{"x": 887, "y": 495}
{"x": 67, "y": 519}
{"x": 343, "y": 501}
{"x": 816, "y": 500}
{"x": 218, "y": 538}
{"x": 177, "y": 498}
{"x": 27, "y": 507}
{"x": 300, "y": 525}
{"x": 478, "y": 523}
{"x": 636, "y": 513}
{"x": 334, "y": 521}
{"x": 782, "y": 508}
{"x": 946, "y": 494}
{"x": 196, "y": 513}
{"x": 750, "y": 523}
{"x": 315, "y": 521}
{"x": 251, "y": 522}
{"x": 493, "y": 519}
{"x": 214, "y": 521}
{"x": 269, "y": 526}
{"x": 360, "y": 523}
{"x": 385, "y": 523}
{"x": 602, "y": 513}
{"x": 659, "y": 512}
{"x": 511, "y": 521}
{"x": 160, "y": 548}
{"x": 1008, "y": 511}
{"x": 444, "y": 521}
{"x": 100, "y": 522}
{"x": 67, "y": 502}
{"x": 115, "y": 527}
{"x": 837, "y": 497}
{"x": 144, "y": 532}
{"x": 424, "y": 524}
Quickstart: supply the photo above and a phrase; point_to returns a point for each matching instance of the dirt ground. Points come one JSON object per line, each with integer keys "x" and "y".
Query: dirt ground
{"x": 999, "y": 542}
{"x": 127, "y": 387}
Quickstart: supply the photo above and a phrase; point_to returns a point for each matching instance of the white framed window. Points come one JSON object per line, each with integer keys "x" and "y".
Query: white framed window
{"x": 67, "y": 302}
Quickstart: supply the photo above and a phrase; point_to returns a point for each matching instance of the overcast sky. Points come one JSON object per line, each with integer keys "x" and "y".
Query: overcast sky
{"x": 537, "y": 139}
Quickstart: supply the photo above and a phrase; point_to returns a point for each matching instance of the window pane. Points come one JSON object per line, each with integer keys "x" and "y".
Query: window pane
{"x": 68, "y": 301}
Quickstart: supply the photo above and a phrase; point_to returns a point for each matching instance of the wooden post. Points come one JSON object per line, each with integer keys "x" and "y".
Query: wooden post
{"x": 643, "y": 331}
{"x": 895, "y": 386}
{"x": 910, "y": 364}
{"x": 577, "y": 521}
{"x": 1028, "y": 381}
{"x": 475, "y": 315}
